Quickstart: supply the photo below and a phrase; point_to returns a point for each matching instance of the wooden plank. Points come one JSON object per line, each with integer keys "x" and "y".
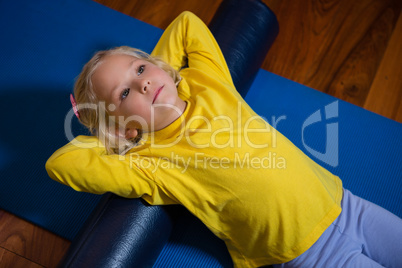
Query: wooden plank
{"x": 31, "y": 241}
{"x": 9, "y": 259}
{"x": 353, "y": 80}
{"x": 161, "y": 13}
{"x": 385, "y": 95}
{"x": 332, "y": 46}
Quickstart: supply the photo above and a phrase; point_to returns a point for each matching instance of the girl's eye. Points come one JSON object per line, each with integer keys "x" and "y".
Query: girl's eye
{"x": 140, "y": 69}
{"x": 125, "y": 93}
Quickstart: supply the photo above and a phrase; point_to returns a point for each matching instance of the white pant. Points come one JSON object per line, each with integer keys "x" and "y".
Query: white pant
{"x": 364, "y": 235}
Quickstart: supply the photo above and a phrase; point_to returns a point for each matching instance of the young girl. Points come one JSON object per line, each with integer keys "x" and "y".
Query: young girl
{"x": 181, "y": 134}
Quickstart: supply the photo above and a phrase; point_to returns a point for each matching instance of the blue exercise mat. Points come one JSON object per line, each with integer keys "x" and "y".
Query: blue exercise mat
{"x": 44, "y": 46}
{"x": 42, "y": 51}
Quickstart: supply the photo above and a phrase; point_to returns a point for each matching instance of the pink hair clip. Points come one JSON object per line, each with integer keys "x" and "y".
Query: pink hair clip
{"x": 74, "y": 104}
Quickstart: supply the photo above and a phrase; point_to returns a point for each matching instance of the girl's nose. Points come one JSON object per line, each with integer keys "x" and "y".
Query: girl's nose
{"x": 145, "y": 86}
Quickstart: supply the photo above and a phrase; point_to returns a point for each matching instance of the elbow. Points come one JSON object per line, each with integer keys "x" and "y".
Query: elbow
{"x": 55, "y": 166}
{"x": 51, "y": 167}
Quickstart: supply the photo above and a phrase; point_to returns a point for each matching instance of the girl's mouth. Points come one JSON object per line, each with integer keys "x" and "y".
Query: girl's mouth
{"x": 157, "y": 92}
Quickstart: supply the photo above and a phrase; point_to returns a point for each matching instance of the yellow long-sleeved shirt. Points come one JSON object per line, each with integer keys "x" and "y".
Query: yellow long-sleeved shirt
{"x": 247, "y": 183}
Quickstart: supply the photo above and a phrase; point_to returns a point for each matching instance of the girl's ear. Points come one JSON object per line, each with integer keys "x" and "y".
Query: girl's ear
{"x": 131, "y": 133}
{"x": 128, "y": 133}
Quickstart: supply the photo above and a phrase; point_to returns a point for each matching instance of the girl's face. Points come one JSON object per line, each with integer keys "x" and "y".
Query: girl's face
{"x": 139, "y": 92}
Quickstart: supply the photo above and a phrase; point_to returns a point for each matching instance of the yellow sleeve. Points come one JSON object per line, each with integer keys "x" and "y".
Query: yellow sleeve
{"x": 84, "y": 165}
{"x": 188, "y": 41}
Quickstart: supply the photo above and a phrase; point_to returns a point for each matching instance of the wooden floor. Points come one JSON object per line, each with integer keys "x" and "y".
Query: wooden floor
{"x": 348, "y": 49}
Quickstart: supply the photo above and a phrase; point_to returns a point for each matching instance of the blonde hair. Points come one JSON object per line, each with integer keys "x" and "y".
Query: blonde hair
{"x": 86, "y": 98}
